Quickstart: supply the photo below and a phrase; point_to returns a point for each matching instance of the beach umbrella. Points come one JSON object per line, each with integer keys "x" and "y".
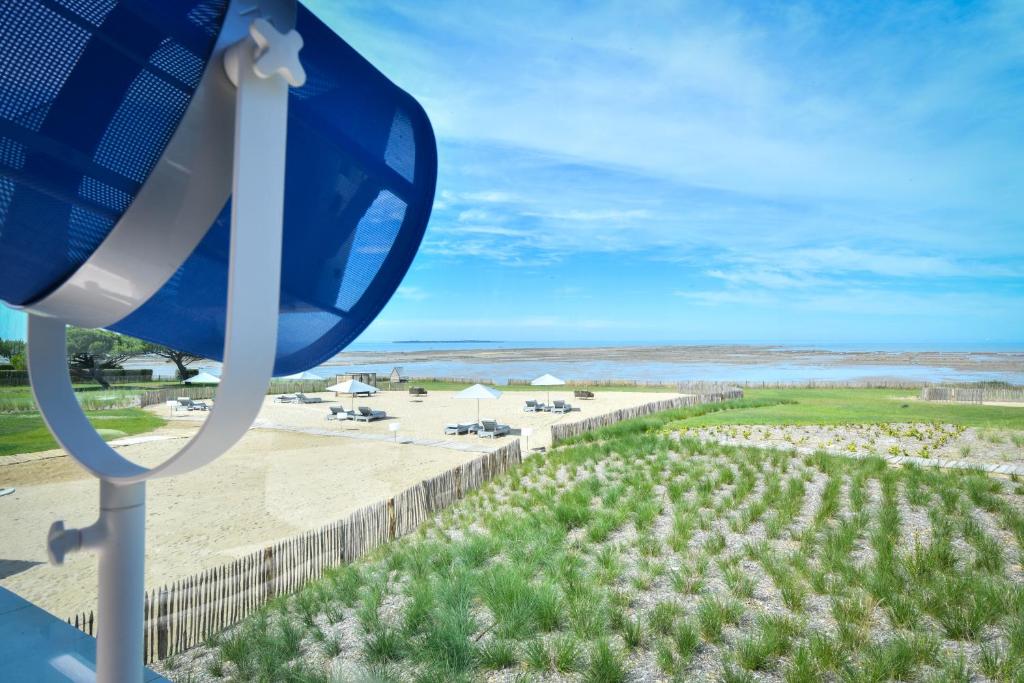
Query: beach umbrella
{"x": 146, "y": 149}
{"x": 353, "y": 387}
{"x": 547, "y": 381}
{"x": 480, "y": 393}
{"x": 203, "y": 378}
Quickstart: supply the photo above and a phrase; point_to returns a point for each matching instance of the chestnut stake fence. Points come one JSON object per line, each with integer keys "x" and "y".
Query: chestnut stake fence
{"x": 972, "y": 394}
{"x": 568, "y": 430}
{"x": 181, "y": 615}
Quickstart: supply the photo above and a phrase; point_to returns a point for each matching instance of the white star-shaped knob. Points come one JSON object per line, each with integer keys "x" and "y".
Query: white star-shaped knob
{"x": 277, "y": 53}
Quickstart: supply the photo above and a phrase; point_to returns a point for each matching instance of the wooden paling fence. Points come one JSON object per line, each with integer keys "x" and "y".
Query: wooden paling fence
{"x": 971, "y": 394}
{"x": 114, "y": 375}
{"x": 451, "y": 380}
{"x": 278, "y": 386}
{"x": 158, "y": 396}
{"x": 704, "y": 387}
{"x": 561, "y": 432}
{"x": 597, "y": 383}
{"x": 181, "y": 615}
{"x": 834, "y": 384}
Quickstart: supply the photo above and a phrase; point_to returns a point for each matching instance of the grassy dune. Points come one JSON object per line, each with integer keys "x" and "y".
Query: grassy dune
{"x": 858, "y": 406}
{"x": 630, "y": 555}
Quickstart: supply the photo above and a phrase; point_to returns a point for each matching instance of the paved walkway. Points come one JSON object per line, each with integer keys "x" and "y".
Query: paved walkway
{"x": 38, "y": 647}
{"x": 477, "y": 445}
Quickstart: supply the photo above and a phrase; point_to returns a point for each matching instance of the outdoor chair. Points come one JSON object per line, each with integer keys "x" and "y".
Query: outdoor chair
{"x": 285, "y": 398}
{"x": 561, "y": 407}
{"x": 583, "y": 393}
{"x": 491, "y": 429}
{"x": 417, "y": 391}
{"x": 339, "y": 413}
{"x": 461, "y": 428}
{"x": 188, "y": 404}
{"x": 366, "y": 415}
{"x": 302, "y": 398}
{"x": 533, "y": 407}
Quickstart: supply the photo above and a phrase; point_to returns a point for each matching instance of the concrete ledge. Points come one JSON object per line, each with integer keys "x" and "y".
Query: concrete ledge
{"x": 36, "y": 646}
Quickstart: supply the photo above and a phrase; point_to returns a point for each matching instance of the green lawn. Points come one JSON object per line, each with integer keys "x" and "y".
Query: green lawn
{"x": 26, "y": 433}
{"x": 858, "y": 406}
{"x": 90, "y": 394}
{"x": 633, "y": 556}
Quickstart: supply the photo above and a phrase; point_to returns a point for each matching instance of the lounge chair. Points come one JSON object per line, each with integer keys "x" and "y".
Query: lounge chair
{"x": 339, "y": 413}
{"x": 417, "y": 391}
{"x": 491, "y": 429}
{"x": 285, "y": 398}
{"x": 582, "y": 393}
{"x": 364, "y": 414}
{"x": 561, "y": 407}
{"x": 302, "y": 398}
{"x": 184, "y": 402}
{"x": 533, "y": 407}
{"x": 461, "y": 428}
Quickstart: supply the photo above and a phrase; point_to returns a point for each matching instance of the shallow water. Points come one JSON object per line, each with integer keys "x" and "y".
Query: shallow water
{"x": 500, "y": 371}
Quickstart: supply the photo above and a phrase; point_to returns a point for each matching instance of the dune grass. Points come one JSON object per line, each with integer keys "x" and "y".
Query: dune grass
{"x": 859, "y": 406}
{"x": 634, "y": 556}
{"x": 26, "y": 433}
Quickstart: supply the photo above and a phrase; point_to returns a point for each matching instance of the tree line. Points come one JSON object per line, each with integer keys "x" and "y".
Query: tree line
{"x": 90, "y": 352}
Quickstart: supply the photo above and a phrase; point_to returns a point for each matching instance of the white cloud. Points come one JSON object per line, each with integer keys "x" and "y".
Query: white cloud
{"x": 412, "y": 293}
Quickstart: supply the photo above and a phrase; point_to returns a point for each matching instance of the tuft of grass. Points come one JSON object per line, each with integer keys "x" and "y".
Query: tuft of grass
{"x": 497, "y": 654}
{"x": 632, "y": 633}
{"x": 605, "y": 665}
{"x": 686, "y": 638}
{"x": 384, "y": 645}
{"x": 566, "y": 654}
{"x": 772, "y": 641}
{"x": 896, "y": 659}
{"x": 536, "y": 655}
{"x": 738, "y": 581}
{"x": 663, "y": 617}
{"x": 714, "y": 613}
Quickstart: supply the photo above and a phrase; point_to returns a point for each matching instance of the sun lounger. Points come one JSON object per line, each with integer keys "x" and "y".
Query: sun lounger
{"x": 583, "y": 393}
{"x": 185, "y": 403}
{"x": 302, "y": 398}
{"x": 339, "y": 413}
{"x": 461, "y": 428}
{"x": 491, "y": 429}
{"x": 285, "y": 398}
{"x": 561, "y": 407}
{"x": 417, "y": 391}
{"x": 534, "y": 407}
{"x": 364, "y": 414}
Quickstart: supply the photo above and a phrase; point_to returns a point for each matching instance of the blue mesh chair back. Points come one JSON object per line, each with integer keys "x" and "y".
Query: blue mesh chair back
{"x": 93, "y": 91}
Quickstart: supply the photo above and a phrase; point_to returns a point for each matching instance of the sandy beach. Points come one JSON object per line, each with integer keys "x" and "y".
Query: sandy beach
{"x": 294, "y": 471}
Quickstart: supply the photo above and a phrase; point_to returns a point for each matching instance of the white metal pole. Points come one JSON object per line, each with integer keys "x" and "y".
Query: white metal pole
{"x": 121, "y": 582}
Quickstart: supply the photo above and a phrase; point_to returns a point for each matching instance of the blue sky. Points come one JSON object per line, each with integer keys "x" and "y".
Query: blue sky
{"x": 712, "y": 171}
{"x": 827, "y": 171}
